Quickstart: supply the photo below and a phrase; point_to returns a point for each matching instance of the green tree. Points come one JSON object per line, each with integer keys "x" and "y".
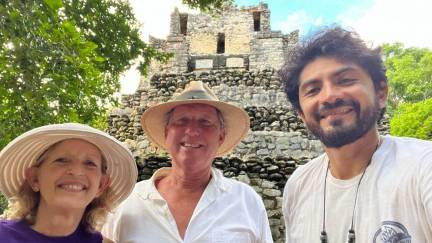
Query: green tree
{"x": 413, "y": 120}
{"x": 208, "y": 5}
{"x": 409, "y": 71}
{"x": 3, "y": 203}
{"x": 60, "y": 61}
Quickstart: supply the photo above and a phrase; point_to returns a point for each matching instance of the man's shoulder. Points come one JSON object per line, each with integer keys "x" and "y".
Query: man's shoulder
{"x": 236, "y": 187}
{"x": 140, "y": 192}
{"x": 408, "y": 142}
{"x": 413, "y": 148}
{"x": 310, "y": 167}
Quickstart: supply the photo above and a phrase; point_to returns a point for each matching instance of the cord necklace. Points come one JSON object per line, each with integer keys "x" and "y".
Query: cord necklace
{"x": 351, "y": 232}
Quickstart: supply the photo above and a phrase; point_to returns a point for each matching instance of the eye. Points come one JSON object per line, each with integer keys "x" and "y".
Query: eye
{"x": 180, "y": 121}
{"x": 205, "y": 122}
{"x": 61, "y": 160}
{"x": 346, "y": 81}
{"x": 90, "y": 163}
{"x": 311, "y": 91}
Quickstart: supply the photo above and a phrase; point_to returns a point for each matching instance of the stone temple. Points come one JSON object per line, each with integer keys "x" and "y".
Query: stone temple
{"x": 237, "y": 55}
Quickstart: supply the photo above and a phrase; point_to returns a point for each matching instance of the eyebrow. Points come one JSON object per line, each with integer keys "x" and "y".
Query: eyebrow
{"x": 334, "y": 74}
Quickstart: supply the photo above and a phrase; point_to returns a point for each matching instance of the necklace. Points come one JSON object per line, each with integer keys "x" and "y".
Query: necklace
{"x": 351, "y": 232}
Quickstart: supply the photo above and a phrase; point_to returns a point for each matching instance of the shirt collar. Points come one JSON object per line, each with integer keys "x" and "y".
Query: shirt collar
{"x": 217, "y": 184}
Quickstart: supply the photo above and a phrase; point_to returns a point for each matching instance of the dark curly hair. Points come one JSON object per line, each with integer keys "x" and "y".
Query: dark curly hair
{"x": 335, "y": 42}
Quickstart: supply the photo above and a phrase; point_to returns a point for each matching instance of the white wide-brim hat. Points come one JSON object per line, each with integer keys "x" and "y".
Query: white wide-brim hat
{"x": 236, "y": 120}
{"x": 22, "y": 153}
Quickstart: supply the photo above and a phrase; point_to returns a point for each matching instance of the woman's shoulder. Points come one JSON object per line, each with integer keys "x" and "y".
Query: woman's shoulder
{"x": 10, "y": 230}
{"x": 87, "y": 236}
{"x": 9, "y": 224}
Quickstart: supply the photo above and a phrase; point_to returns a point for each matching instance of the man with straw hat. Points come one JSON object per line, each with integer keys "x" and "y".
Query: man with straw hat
{"x": 191, "y": 201}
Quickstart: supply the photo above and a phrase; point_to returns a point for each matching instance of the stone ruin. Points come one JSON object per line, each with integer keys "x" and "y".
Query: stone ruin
{"x": 238, "y": 56}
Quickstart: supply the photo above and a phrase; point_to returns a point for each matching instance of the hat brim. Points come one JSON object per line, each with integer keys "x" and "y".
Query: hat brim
{"x": 236, "y": 122}
{"x": 24, "y": 150}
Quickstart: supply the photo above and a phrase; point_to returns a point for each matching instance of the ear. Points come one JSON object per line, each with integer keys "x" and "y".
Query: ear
{"x": 103, "y": 184}
{"x": 31, "y": 178}
{"x": 301, "y": 115}
{"x": 382, "y": 94}
{"x": 222, "y": 136}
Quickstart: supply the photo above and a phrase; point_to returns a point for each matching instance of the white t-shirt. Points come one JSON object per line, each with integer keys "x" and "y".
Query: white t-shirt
{"x": 394, "y": 200}
{"x": 228, "y": 212}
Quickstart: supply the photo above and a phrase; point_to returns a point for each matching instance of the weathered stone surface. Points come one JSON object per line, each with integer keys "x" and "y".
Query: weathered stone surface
{"x": 203, "y": 64}
{"x": 272, "y": 192}
{"x": 235, "y": 62}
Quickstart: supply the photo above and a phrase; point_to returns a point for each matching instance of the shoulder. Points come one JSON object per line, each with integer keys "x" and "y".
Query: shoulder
{"x": 95, "y": 237}
{"x": 406, "y": 144}
{"x": 237, "y": 187}
{"x": 12, "y": 229}
{"x": 303, "y": 179}
{"x": 237, "y": 191}
{"x": 142, "y": 186}
{"x": 141, "y": 192}
{"x": 6, "y": 224}
{"x": 303, "y": 172}
{"x": 408, "y": 151}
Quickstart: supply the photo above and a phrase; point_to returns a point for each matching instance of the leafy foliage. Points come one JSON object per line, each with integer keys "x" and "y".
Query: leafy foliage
{"x": 409, "y": 71}
{"x": 214, "y": 6}
{"x": 3, "y": 203}
{"x": 413, "y": 120}
{"x": 60, "y": 61}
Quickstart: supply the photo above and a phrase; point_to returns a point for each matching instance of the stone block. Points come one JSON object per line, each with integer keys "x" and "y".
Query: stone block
{"x": 272, "y": 192}
{"x": 235, "y": 62}
{"x": 204, "y": 64}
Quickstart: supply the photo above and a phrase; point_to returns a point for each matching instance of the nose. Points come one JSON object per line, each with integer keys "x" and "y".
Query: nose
{"x": 75, "y": 168}
{"x": 330, "y": 93}
{"x": 193, "y": 129}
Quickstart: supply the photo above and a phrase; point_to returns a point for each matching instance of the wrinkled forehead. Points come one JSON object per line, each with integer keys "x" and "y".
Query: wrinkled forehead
{"x": 190, "y": 108}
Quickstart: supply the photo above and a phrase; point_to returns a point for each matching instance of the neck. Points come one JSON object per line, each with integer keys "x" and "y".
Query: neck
{"x": 56, "y": 222}
{"x": 189, "y": 180}
{"x": 350, "y": 160}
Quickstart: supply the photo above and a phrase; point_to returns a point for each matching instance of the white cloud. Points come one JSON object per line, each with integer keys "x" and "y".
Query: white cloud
{"x": 154, "y": 16}
{"x": 298, "y": 20}
{"x": 389, "y": 21}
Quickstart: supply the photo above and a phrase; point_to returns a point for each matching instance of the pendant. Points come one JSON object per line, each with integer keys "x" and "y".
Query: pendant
{"x": 323, "y": 237}
{"x": 351, "y": 236}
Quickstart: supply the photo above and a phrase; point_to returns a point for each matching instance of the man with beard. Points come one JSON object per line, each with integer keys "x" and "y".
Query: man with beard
{"x": 365, "y": 187}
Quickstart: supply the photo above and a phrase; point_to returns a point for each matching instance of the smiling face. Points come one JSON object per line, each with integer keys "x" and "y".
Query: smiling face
{"x": 193, "y": 135}
{"x": 69, "y": 176}
{"x": 338, "y": 101}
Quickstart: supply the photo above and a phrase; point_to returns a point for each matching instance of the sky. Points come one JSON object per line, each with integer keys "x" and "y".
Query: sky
{"x": 377, "y": 21}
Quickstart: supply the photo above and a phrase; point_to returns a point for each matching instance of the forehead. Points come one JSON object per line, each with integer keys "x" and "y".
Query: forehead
{"x": 322, "y": 67}
{"x": 194, "y": 109}
{"x": 66, "y": 144}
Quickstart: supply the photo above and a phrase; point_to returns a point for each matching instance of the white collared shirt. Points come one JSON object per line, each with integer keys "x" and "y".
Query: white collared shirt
{"x": 228, "y": 212}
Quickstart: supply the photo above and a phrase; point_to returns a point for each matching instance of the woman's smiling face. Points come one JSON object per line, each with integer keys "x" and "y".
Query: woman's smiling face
{"x": 69, "y": 176}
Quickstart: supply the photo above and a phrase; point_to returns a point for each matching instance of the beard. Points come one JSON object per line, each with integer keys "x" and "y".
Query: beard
{"x": 342, "y": 134}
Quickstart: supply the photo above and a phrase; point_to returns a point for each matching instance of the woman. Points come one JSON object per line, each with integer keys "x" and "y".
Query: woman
{"x": 61, "y": 181}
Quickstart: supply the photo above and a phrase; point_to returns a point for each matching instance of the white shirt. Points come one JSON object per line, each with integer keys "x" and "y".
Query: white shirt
{"x": 227, "y": 212}
{"x": 394, "y": 200}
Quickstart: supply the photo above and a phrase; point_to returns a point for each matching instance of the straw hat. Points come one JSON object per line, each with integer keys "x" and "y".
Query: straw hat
{"x": 236, "y": 120}
{"x": 24, "y": 150}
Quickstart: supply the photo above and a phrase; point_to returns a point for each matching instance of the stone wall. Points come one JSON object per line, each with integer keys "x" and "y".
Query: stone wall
{"x": 203, "y": 30}
{"x": 234, "y": 32}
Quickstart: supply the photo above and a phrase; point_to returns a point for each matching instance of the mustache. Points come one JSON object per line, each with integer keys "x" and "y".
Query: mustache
{"x": 325, "y": 107}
